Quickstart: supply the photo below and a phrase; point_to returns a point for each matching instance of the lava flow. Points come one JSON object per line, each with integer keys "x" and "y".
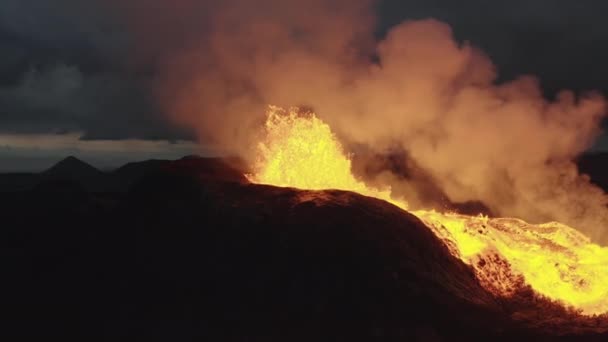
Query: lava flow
{"x": 555, "y": 260}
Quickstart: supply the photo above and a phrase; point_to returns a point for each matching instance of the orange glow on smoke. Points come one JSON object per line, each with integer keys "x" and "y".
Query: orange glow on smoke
{"x": 555, "y": 260}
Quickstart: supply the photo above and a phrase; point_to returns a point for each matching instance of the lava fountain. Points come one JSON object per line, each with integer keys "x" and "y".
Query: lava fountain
{"x": 556, "y": 261}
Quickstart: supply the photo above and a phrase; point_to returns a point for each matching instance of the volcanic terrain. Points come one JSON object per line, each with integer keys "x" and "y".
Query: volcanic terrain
{"x": 194, "y": 250}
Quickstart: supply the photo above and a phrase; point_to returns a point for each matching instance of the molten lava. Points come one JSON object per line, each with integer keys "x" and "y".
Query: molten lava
{"x": 303, "y": 153}
{"x": 555, "y": 260}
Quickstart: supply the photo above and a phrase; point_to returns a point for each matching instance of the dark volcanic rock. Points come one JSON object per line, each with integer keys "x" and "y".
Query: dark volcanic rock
{"x": 207, "y": 169}
{"x": 185, "y": 257}
{"x": 12, "y": 182}
{"x": 189, "y": 167}
{"x": 130, "y": 173}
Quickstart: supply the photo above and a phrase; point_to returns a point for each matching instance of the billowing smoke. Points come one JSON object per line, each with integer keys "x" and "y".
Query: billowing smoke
{"x": 417, "y": 89}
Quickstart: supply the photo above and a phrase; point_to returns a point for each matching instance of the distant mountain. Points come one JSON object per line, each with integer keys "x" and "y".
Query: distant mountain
{"x": 70, "y": 167}
{"x": 122, "y": 179}
{"x": 75, "y": 170}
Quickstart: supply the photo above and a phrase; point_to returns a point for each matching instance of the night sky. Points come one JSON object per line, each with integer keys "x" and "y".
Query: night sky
{"x": 72, "y": 84}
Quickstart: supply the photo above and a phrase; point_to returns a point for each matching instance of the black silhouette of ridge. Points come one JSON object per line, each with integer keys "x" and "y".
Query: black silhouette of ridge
{"x": 70, "y": 165}
{"x": 78, "y": 171}
{"x": 193, "y": 251}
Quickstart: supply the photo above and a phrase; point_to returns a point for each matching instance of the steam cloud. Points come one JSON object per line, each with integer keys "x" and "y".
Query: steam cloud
{"x": 417, "y": 89}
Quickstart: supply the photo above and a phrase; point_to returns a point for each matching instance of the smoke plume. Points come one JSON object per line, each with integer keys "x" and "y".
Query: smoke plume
{"x": 416, "y": 89}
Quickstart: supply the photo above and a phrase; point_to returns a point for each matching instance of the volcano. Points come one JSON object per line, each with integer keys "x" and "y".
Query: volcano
{"x": 216, "y": 257}
{"x": 74, "y": 169}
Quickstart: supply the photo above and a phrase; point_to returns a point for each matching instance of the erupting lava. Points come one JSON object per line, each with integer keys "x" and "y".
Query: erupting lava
{"x": 555, "y": 260}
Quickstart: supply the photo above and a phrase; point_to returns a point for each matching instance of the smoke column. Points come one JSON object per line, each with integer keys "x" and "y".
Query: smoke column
{"x": 417, "y": 89}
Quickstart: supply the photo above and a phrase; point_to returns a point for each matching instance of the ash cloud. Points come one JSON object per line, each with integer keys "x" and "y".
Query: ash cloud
{"x": 417, "y": 89}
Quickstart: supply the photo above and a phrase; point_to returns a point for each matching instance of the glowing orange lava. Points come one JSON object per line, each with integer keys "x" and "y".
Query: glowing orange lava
{"x": 555, "y": 260}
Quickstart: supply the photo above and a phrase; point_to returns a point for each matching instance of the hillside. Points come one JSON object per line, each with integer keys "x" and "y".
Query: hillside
{"x": 183, "y": 256}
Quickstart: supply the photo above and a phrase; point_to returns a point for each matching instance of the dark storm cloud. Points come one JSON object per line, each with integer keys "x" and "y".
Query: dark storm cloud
{"x": 65, "y": 67}
{"x": 79, "y": 65}
{"x": 62, "y": 98}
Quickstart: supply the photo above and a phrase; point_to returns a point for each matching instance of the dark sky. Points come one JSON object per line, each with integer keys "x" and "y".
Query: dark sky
{"x": 67, "y": 68}
{"x": 561, "y": 41}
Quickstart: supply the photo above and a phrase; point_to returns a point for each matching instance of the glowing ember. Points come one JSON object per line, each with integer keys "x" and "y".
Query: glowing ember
{"x": 553, "y": 259}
